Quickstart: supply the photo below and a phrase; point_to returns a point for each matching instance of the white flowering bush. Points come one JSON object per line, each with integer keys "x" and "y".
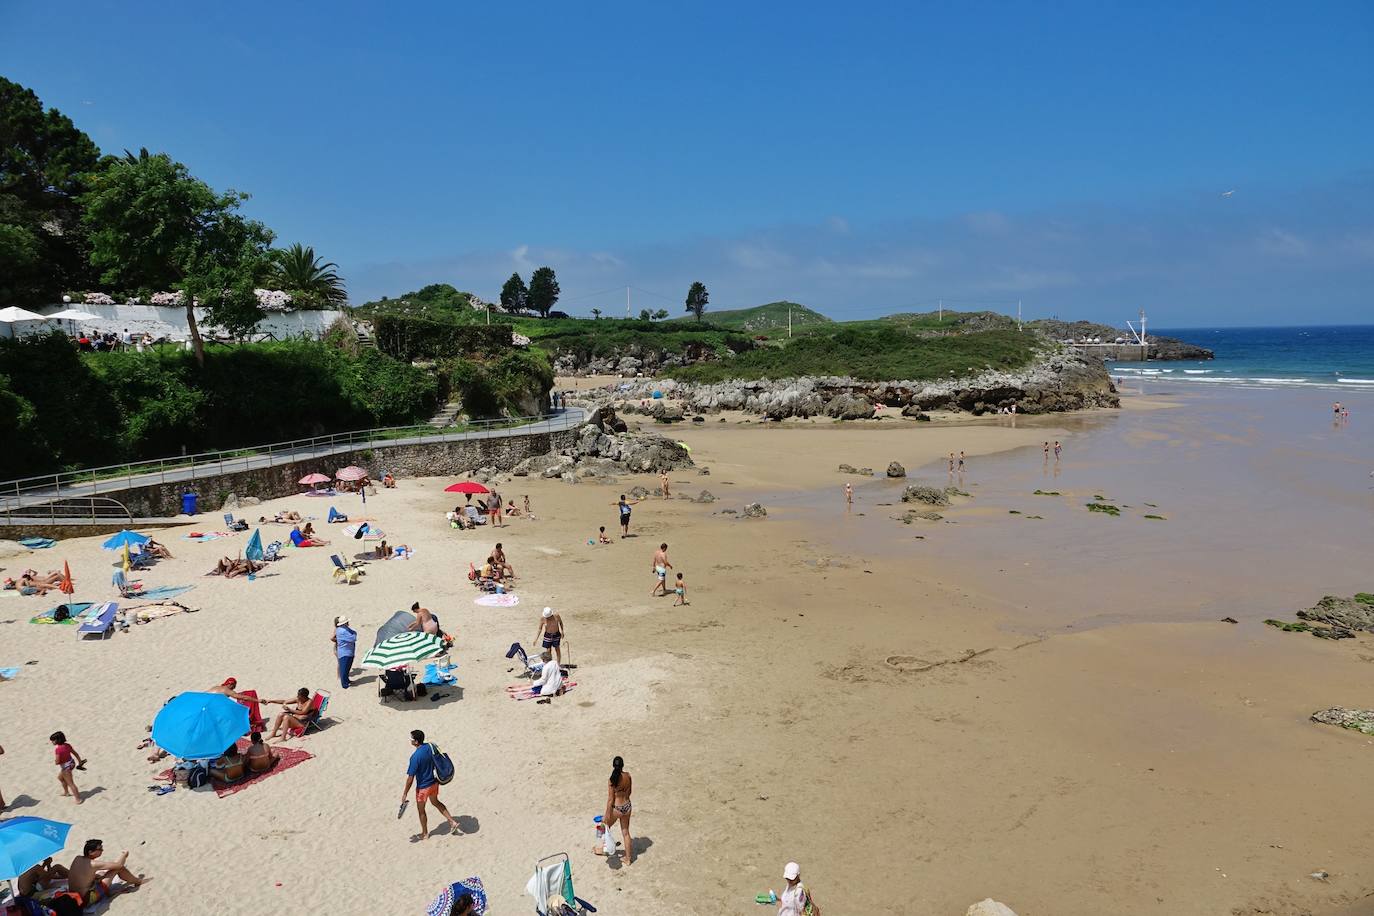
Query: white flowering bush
{"x": 273, "y": 300}
{"x": 519, "y": 340}
{"x": 133, "y": 300}
{"x": 98, "y": 299}
{"x": 172, "y": 298}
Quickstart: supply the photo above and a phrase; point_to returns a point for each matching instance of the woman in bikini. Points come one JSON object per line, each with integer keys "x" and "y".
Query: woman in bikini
{"x": 618, "y": 807}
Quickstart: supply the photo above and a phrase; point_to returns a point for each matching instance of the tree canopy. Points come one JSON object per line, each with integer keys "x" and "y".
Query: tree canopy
{"x": 514, "y": 294}
{"x": 697, "y": 297}
{"x": 543, "y": 291}
{"x": 309, "y": 279}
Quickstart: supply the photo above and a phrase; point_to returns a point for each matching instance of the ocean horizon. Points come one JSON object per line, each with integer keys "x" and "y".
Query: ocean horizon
{"x": 1334, "y": 357}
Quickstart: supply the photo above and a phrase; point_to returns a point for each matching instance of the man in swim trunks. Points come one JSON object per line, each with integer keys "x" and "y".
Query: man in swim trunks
{"x": 661, "y": 567}
{"x": 91, "y": 879}
{"x": 550, "y": 635}
{"x": 494, "y": 507}
{"x": 420, "y": 772}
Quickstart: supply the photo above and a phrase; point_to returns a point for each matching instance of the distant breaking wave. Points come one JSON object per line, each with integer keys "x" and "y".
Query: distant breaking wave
{"x": 1260, "y": 382}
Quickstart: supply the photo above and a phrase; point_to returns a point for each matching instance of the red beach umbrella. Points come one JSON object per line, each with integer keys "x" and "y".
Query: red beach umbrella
{"x": 467, "y": 486}
{"x": 352, "y": 472}
{"x": 313, "y": 478}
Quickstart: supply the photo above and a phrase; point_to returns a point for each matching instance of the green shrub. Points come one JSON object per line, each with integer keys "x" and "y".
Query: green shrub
{"x": 409, "y": 338}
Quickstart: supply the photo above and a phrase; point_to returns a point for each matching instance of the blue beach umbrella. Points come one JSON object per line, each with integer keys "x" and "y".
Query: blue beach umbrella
{"x": 125, "y": 538}
{"x": 26, "y": 841}
{"x": 199, "y": 726}
{"x": 254, "y": 549}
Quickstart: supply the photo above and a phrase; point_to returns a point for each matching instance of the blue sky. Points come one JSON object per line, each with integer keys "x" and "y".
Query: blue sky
{"x": 861, "y": 158}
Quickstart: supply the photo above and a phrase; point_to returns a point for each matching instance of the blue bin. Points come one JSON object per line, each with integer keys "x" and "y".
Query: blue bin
{"x": 188, "y": 504}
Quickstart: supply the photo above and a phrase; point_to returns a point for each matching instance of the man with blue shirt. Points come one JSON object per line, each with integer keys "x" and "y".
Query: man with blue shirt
{"x": 421, "y": 774}
{"x": 345, "y": 645}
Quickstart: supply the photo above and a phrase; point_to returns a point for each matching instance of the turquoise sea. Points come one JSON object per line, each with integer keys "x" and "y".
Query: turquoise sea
{"x": 1334, "y": 357}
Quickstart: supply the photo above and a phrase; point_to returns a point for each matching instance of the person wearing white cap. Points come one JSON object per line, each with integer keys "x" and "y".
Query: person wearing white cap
{"x": 550, "y": 635}
{"x": 793, "y": 899}
{"x": 345, "y": 641}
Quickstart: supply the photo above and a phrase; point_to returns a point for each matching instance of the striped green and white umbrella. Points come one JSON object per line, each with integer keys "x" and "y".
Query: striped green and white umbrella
{"x": 403, "y": 648}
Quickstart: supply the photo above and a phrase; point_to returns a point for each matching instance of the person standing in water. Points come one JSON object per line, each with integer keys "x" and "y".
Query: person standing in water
{"x": 1057, "y": 449}
{"x": 618, "y": 808}
{"x": 848, "y": 495}
{"x": 961, "y": 462}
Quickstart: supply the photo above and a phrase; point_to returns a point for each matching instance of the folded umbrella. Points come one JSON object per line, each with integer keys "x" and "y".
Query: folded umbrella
{"x": 199, "y": 726}
{"x": 402, "y": 649}
{"x": 253, "y": 551}
{"x": 26, "y": 841}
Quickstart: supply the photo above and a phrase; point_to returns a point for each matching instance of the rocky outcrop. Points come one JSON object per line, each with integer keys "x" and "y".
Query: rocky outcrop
{"x": 850, "y": 469}
{"x": 894, "y": 469}
{"x": 754, "y": 510}
{"x": 1347, "y": 613}
{"x": 1058, "y": 381}
{"x": 602, "y": 448}
{"x": 930, "y": 496}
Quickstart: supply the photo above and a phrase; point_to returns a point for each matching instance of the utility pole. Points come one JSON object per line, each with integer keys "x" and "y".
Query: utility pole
{"x": 789, "y": 322}
{"x": 627, "y": 302}
{"x": 1018, "y": 314}
{"x": 942, "y": 311}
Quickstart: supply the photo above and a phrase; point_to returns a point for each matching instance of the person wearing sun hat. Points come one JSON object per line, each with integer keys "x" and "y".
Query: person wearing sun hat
{"x": 345, "y": 641}
{"x": 550, "y": 635}
{"x": 794, "y": 899}
{"x": 230, "y": 688}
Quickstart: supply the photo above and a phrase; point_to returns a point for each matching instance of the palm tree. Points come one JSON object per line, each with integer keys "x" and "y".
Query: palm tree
{"x": 309, "y": 281}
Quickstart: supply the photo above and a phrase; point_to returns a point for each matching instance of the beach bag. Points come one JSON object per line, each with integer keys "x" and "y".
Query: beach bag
{"x": 811, "y": 908}
{"x": 443, "y": 765}
{"x": 197, "y": 778}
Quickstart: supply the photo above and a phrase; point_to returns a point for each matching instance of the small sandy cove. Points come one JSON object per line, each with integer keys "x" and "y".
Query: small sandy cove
{"x": 875, "y": 719}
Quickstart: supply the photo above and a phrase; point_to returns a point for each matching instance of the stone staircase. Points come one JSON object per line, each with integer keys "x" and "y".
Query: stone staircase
{"x": 446, "y": 415}
{"x": 364, "y": 338}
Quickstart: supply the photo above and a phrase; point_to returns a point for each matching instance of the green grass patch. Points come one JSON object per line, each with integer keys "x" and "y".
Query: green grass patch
{"x": 1047, "y": 493}
{"x": 1156, "y": 517}
{"x": 1104, "y": 508}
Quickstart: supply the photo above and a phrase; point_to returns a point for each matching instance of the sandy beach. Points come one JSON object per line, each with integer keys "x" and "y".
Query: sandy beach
{"x": 1047, "y": 711}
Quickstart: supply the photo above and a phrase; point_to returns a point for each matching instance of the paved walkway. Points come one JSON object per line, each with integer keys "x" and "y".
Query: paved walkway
{"x": 569, "y": 418}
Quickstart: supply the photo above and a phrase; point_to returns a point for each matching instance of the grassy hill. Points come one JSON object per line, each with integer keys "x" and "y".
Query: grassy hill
{"x": 766, "y": 319}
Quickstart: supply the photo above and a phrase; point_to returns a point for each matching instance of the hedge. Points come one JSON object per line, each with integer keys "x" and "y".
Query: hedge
{"x": 408, "y": 338}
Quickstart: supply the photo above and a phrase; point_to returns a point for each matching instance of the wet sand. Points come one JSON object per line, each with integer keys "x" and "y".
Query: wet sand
{"x": 920, "y": 722}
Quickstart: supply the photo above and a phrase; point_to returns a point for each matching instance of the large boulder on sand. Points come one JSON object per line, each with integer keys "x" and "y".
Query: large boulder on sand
{"x": 754, "y": 510}
{"x": 895, "y": 470}
{"x": 930, "y": 496}
{"x": 848, "y": 407}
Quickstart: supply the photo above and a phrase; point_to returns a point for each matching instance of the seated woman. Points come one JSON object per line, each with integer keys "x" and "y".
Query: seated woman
{"x": 157, "y": 549}
{"x": 295, "y": 714}
{"x": 512, "y": 509}
{"x": 260, "y": 756}
{"x": 388, "y": 481}
{"x": 229, "y": 767}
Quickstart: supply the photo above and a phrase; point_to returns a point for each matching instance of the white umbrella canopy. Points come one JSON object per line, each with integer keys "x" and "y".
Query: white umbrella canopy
{"x": 12, "y": 313}
{"x": 73, "y": 315}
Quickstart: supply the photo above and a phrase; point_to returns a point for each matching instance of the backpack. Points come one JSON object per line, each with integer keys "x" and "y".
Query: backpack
{"x": 443, "y": 765}
{"x": 197, "y": 778}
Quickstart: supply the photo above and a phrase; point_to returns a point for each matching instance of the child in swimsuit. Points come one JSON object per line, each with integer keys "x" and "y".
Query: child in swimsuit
{"x": 601, "y": 535}
{"x": 681, "y": 591}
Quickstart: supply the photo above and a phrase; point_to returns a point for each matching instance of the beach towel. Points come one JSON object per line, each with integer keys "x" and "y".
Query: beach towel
{"x": 506, "y": 600}
{"x": 8, "y": 674}
{"x": 443, "y": 904}
{"x": 439, "y": 675}
{"x": 145, "y": 614}
{"x": 164, "y": 591}
{"x": 205, "y": 535}
{"x": 37, "y": 543}
{"x": 78, "y": 610}
{"x": 523, "y": 691}
{"x": 287, "y": 757}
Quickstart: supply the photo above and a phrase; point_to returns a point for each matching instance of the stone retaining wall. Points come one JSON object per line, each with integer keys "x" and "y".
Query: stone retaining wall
{"x": 428, "y": 459}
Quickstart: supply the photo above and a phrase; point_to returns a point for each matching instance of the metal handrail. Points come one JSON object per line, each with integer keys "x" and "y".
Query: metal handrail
{"x": 70, "y": 507}
{"x": 189, "y": 467}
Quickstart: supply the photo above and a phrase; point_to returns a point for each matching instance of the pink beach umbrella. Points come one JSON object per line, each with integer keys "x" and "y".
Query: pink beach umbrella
{"x": 310, "y": 479}
{"x": 352, "y": 472}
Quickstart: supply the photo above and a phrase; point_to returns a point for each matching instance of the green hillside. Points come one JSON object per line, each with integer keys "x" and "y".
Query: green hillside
{"x": 766, "y": 319}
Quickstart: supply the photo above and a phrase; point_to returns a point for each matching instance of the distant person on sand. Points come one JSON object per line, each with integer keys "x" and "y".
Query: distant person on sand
{"x": 67, "y": 760}
{"x": 1057, "y": 449}
{"x": 494, "y": 508}
{"x": 663, "y": 484}
{"x": 90, "y": 878}
{"x": 420, "y": 773}
{"x": 661, "y": 567}
{"x": 624, "y": 506}
{"x": 528, "y": 513}
{"x": 345, "y": 641}
{"x": 1047, "y": 450}
{"x": 618, "y": 807}
{"x": 848, "y": 495}
{"x": 550, "y": 632}
{"x": 601, "y": 535}
{"x": 680, "y": 590}
{"x": 961, "y": 462}
{"x": 498, "y": 557}
{"x": 951, "y": 462}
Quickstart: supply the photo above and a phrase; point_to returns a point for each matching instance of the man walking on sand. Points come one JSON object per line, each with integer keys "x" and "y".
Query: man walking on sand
{"x": 495, "y": 506}
{"x": 420, "y": 772}
{"x": 661, "y": 567}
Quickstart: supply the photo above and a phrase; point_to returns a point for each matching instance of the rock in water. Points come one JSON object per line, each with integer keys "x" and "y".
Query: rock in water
{"x": 1349, "y": 613}
{"x": 931, "y": 496}
{"x": 754, "y": 510}
{"x": 989, "y": 907}
{"x": 895, "y": 470}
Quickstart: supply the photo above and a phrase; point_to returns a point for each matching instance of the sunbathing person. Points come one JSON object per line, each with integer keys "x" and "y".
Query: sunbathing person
{"x": 230, "y": 568}
{"x": 260, "y": 757}
{"x": 295, "y": 714}
{"x": 303, "y": 539}
{"x": 90, "y": 878}
{"x": 230, "y": 766}
{"x": 156, "y": 549}
{"x": 282, "y": 517}
{"x": 41, "y": 876}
